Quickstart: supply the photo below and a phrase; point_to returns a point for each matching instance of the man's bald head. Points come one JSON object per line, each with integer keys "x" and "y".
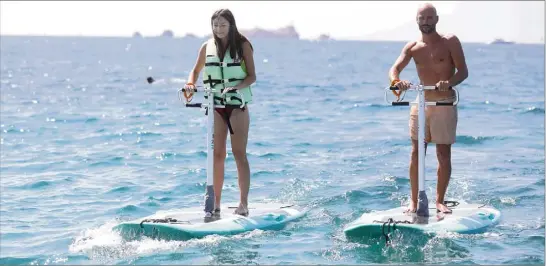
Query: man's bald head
{"x": 426, "y": 8}
{"x": 427, "y": 18}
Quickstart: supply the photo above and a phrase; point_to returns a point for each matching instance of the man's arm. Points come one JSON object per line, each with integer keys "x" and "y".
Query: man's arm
{"x": 401, "y": 62}
{"x": 457, "y": 55}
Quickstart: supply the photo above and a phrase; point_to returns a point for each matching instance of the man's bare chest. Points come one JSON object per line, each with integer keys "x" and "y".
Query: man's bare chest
{"x": 431, "y": 55}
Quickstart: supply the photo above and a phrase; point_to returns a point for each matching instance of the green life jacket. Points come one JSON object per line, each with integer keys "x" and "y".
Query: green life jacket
{"x": 220, "y": 74}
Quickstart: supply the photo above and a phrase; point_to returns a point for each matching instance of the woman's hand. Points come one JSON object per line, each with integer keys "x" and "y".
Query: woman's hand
{"x": 229, "y": 89}
{"x": 189, "y": 89}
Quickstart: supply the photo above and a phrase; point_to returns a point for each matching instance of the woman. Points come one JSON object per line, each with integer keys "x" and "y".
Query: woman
{"x": 228, "y": 46}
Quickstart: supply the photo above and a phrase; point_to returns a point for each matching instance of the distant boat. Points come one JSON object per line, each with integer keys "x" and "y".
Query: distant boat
{"x": 324, "y": 37}
{"x": 167, "y": 34}
{"x": 500, "y": 41}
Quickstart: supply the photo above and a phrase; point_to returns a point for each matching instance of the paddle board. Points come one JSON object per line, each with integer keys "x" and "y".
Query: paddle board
{"x": 189, "y": 223}
{"x": 465, "y": 219}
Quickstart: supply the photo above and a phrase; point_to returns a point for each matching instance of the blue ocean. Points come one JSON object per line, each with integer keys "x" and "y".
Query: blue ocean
{"x": 87, "y": 143}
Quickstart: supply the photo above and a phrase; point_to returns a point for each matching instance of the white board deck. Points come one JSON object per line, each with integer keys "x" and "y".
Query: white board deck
{"x": 190, "y": 222}
{"x": 465, "y": 219}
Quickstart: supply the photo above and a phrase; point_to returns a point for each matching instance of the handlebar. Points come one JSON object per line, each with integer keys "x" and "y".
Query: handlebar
{"x": 422, "y": 88}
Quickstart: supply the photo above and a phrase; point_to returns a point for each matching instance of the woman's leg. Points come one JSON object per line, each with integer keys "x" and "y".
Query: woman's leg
{"x": 240, "y": 121}
{"x": 220, "y": 136}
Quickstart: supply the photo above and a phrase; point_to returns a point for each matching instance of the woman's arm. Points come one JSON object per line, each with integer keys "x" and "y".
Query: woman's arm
{"x": 249, "y": 63}
{"x": 199, "y": 64}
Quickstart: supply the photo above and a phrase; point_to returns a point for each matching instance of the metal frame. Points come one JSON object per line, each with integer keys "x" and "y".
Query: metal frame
{"x": 422, "y": 206}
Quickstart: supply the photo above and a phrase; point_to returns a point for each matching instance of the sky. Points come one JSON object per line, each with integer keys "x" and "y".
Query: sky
{"x": 352, "y": 20}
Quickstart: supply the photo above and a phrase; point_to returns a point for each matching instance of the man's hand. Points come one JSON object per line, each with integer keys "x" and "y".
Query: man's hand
{"x": 443, "y": 85}
{"x": 402, "y": 85}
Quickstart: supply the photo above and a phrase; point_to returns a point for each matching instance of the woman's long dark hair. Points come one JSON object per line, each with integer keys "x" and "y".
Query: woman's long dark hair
{"x": 235, "y": 39}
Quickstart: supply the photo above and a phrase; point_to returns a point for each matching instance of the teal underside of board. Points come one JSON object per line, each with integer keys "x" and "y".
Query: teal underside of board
{"x": 465, "y": 219}
{"x": 190, "y": 223}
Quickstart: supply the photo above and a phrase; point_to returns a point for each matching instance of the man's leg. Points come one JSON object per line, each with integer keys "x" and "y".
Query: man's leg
{"x": 443, "y": 125}
{"x": 443, "y": 152}
{"x": 414, "y": 176}
{"x": 414, "y": 160}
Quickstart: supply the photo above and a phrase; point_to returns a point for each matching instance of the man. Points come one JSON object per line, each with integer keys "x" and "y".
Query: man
{"x": 436, "y": 57}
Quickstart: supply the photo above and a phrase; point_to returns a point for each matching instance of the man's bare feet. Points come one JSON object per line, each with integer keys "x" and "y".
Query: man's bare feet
{"x": 241, "y": 210}
{"x": 412, "y": 207}
{"x": 440, "y": 207}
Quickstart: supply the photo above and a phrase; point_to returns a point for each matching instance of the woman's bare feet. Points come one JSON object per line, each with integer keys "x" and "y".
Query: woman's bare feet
{"x": 440, "y": 207}
{"x": 412, "y": 207}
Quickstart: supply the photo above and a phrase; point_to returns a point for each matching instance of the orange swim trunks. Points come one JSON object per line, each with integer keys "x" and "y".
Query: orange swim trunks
{"x": 441, "y": 124}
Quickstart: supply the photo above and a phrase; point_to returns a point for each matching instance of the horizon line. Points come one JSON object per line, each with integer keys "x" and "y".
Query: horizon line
{"x": 195, "y": 36}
